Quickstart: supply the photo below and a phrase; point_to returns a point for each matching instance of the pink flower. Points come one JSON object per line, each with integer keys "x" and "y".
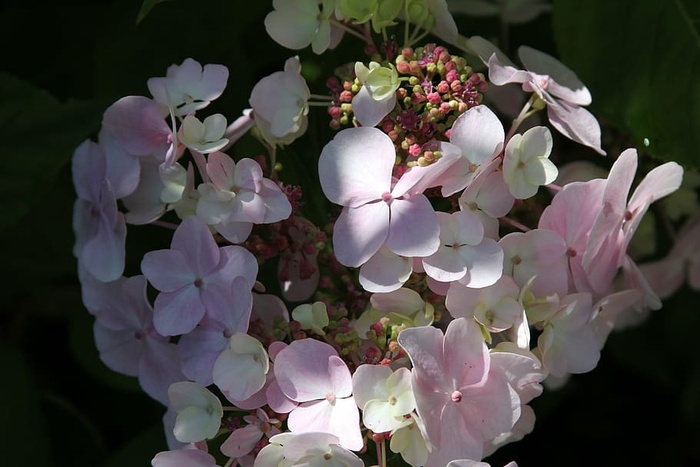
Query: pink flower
{"x": 100, "y": 229}
{"x": 126, "y": 339}
{"x": 558, "y": 87}
{"x": 464, "y": 254}
{"x": 184, "y": 458}
{"x": 138, "y": 124}
{"x": 462, "y": 400}
{"x": 238, "y": 196}
{"x": 243, "y": 440}
{"x": 356, "y": 172}
{"x": 311, "y": 373}
{"x": 479, "y": 135}
{"x": 189, "y": 87}
{"x": 571, "y": 214}
{"x": 195, "y": 278}
{"x": 617, "y": 219}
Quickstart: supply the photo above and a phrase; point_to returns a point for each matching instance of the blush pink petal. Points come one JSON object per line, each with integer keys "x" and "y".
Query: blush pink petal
{"x": 235, "y": 232}
{"x": 167, "y": 270}
{"x": 566, "y": 85}
{"x": 122, "y": 168}
{"x": 425, "y": 347}
{"x": 178, "y": 312}
{"x": 576, "y": 123}
{"x": 301, "y": 370}
{"x": 368, "y": 111}
{"x": 219, "y": 303}
{"x": 241, "y": 441}
{"x": 484, "y": 263}
{"x": 355, "y": 167}
{"x": 137, "y": 123}
{"x": 456, "y": 442}
{"x": 258, "y": 399}
{"x": 478, "y": 133}
{"x": 248, "y": 207}
{"x": 194, "y": 240}
{"x": 103, "y": 255}
{"x": 341, "y": 419}
{"x": 88, "y": 168}
{"x": 465, "y": 357}
{"x": 413, "y": 227}
{"x": 159, "y": 368}
{"x": 235, "y": 261}
{"x": 199, "y": 350}
{"x": 277, "y": 400}
{"x": 340, "y": 378}
{"x": 658, "y": 183}
{"x": 604, "y": 247}
{"x": 277, "y": 206}
{"x": 418, "y": 179}
{"x": 444, "y": 265}
{"x": 504, "y": 74}
{"x": 119, "y": 351}
{"x": 360, "y": 232}
{"x": 183, "y": 458}
{"x": 221, "y": 170}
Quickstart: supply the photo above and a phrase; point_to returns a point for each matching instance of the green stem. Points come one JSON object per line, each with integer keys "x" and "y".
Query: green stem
{"x": 201, "y": 164}
{"x": 525, "y": 112}
{"x": 516, "y": 224}
{"x": 321, "y": 97}
{"x": 347, "y": 29}
{"x": 319, "y": 104}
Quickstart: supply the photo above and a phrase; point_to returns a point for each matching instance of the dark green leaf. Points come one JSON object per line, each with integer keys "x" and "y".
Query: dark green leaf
{"x": 641, "y": 61}
{"x": 141, "y": 449}
{"x": 68, "y": 423}
{"x": 37, "y": 137}
{"x": 146, "y": 8}
{"x": 82, "y": 345}
{"x": 22, "y": 426}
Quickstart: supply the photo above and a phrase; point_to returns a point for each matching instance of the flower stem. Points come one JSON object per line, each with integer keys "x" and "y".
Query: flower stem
{"x": 167, "y": 225}
{"x": 347, "y": 29}
{"x": 321, "y": 97}
{"x": 201, "y": 164}
{"x": 515, "y": 224}
{"x": 525, "y": 112}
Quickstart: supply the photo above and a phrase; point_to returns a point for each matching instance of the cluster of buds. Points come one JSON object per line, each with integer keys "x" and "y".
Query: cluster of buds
{"x": 433, "y": 88}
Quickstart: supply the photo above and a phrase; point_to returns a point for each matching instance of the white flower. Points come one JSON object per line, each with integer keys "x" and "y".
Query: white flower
{"x": 280, "y": 104}
{"x": 381, "y": 82}
{"x": 204, "y": 137}
{"x": 312, "y": 317}
{"x": 526, "y": 164}
{"x": 384, "y": 396}
{"x": 311, "y": 449}
{"x": 240, "y": 371}
{"x": 199, "y": 411}
{"x": 189, "y": 87}
{"x": 297, "y": 23}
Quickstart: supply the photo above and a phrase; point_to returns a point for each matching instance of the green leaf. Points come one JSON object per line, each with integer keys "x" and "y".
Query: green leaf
{"x": 82, "y": 344}
{"x": 37, "y": 137}
{"x": 641, "y": 61}
{"x": 146, "y": 8}
{"x": 141, "y": 449}
{"x": 22, "y": 425}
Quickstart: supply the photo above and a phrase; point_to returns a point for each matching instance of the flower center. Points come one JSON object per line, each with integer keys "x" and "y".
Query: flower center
{"x": 387, "y": 198}
{"x": 456, "y": 396}
{"x": 543, "y": 81}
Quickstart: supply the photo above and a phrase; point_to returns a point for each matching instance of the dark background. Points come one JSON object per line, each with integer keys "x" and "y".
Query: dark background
{"x": 63, "y": 62}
